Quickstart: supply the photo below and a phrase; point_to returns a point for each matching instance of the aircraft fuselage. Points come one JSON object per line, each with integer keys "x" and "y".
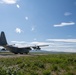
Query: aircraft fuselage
{"x": 17, "y": 50}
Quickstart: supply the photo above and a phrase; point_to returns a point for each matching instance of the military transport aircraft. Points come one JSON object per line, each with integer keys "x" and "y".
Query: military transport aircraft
{"x": 14, "y": 49}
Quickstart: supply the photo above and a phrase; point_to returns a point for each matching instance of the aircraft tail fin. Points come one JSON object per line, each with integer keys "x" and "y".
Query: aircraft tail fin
{"x": 3, "y": 40}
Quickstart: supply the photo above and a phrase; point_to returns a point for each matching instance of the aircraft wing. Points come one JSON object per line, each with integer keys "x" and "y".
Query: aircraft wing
{"x": 37, "y": 47}
{"x": 34, "y": 47}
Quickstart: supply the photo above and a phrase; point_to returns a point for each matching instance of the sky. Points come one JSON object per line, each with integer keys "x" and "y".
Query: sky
{"x": 51, "y": 22}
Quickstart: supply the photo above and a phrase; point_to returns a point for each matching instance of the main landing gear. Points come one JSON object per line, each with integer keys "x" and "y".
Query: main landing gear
{"x": 22, "y": 53}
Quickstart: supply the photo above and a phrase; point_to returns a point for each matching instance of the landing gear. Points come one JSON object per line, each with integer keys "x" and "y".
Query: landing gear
{"x": 26, "y": 52}
{"x": 21, "y": 53}
{"x": 15, "y": 53}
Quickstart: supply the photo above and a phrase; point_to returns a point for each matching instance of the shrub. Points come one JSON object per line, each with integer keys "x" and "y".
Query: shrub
{"x": 54, "y": 68}
{"x": 39, "y": 64}
{"x": 69, "y": 73}
{"x": 33, "y": 73}
{"x": 46, "y": 72}
{"x": 2, "y": 72}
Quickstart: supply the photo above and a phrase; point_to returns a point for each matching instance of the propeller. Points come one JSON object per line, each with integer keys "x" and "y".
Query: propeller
{"x": 37, "y": 47}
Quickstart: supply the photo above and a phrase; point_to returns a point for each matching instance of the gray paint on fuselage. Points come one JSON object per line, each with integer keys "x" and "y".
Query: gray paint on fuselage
{"x": 17, "y": 50}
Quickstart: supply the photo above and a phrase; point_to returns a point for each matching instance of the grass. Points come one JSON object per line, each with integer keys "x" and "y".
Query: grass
{"x": 51, "y": 64}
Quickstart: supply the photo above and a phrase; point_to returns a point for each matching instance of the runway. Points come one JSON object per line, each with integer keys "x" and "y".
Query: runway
{"x": 11, "y": 55}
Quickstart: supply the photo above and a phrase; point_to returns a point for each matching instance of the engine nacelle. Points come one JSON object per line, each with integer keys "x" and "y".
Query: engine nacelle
{"x": 37, "y": 47}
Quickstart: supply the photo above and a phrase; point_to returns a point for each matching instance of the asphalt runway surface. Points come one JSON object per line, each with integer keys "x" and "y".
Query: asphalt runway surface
{"x": 9, "y": 54}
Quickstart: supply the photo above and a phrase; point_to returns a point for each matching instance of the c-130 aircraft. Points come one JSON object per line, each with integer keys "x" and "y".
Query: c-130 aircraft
{"x": 14, "y": 49}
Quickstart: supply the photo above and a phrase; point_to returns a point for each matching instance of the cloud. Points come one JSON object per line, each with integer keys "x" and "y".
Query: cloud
{"x": 61, "y": 45}
{"x": 8, "y": 1}
{"x": 64, "y": 24}
{"x": 26, "y": 18}
{"x": 31, "y": 43}
{"x": 18, "y": 42}
{"x": 39, "y": 43}
{"x": 33, "y": 28}
{"x": 18, "y": 6}
{"x": 63, "y": 40}
{"x": 24, "y": 44}
{"x": 18, "y": 30}
{"x": 67, "y": 13}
